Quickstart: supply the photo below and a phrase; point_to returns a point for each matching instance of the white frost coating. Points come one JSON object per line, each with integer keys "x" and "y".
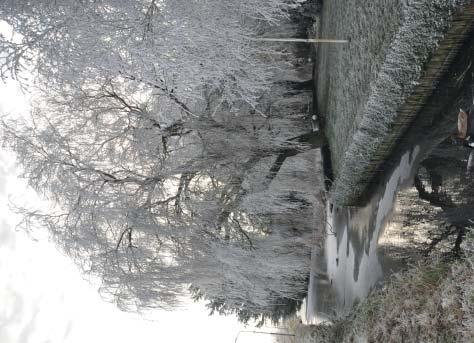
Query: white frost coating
{"x": 423, "y": 27}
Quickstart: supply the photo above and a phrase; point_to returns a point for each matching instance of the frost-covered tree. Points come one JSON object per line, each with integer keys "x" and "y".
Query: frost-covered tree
{"x": 173, "y": 47}
{"x": 160, "y": 131}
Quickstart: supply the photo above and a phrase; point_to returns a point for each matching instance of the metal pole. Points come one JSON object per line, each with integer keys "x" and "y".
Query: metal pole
{"x": 302, "y": 40}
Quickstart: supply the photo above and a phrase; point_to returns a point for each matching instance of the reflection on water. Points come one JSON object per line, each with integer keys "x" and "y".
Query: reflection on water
{"x": 352, "y": 264}
{"x": 435, "y": 212}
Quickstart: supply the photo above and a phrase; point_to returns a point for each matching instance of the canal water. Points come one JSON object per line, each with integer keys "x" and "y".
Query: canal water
{"x": 351, "y": 263}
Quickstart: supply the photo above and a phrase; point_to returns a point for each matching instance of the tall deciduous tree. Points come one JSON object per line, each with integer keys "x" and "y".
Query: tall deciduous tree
{"x": 157, "y": 133}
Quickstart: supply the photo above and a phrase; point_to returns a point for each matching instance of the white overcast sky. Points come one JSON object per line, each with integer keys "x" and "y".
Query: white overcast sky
{"x": 43, "y": 298}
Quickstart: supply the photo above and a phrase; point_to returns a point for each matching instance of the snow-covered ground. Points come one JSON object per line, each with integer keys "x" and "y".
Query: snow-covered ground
{"x": 361, "y": 87}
